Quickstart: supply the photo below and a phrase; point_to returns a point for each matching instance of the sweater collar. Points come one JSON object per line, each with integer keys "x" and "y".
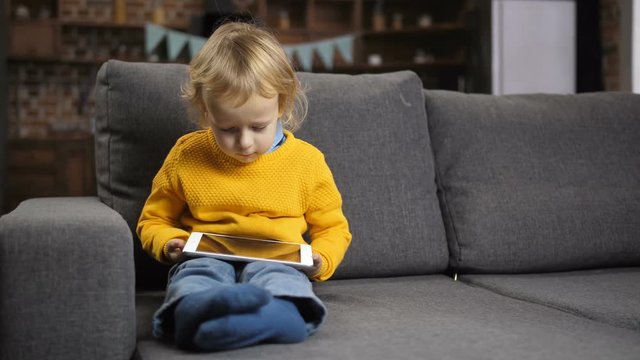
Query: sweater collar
{"x": 282, "y": 150}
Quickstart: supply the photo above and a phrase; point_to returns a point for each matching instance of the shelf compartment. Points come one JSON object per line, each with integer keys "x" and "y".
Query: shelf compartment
{"x": 336, "y": 17}
{"x": 286, "y": 15}
{"x": 37, "y": 38}
{"x": 410, "y": 11}
{"x": 434, "y": 29}
{"x": 436, "y": 65}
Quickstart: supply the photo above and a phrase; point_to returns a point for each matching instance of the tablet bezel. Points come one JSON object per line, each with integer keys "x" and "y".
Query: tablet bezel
{"x": 190, "y": 249}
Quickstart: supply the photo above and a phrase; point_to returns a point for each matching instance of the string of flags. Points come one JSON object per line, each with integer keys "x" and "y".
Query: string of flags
{"x": 177, "y": 41}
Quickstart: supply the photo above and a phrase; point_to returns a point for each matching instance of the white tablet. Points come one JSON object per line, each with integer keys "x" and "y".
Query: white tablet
{"x": 236, "y": 248}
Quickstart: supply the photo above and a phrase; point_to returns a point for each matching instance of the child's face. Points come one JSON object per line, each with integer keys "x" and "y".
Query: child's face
{"x": 247, "y": 131}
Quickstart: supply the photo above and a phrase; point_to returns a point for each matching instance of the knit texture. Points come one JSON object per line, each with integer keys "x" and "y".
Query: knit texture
{"x": 278, "y": 196}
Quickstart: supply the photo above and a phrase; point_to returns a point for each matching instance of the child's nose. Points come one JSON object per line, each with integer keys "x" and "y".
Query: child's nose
{"x": 245, "y": 140}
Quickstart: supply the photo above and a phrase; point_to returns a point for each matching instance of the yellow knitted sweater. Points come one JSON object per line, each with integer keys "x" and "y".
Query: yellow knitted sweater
{"x": 280, "y": 196}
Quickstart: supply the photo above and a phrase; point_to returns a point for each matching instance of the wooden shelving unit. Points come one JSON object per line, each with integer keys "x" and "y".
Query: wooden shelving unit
{"x": 54, "y": 55}
{"x": 393, "y": 31}
{"x": 80, "y": 38}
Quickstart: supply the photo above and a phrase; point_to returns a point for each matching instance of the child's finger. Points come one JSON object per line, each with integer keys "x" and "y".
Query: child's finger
{"x": 317, "y": 260}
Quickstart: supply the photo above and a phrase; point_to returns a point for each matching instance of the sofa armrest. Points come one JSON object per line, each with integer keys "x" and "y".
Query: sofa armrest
{"x": 67, "y": 281}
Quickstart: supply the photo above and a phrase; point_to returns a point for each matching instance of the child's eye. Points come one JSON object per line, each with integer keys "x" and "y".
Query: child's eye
{"x": 227, "y": 130}
{"x": 259, "y": 128}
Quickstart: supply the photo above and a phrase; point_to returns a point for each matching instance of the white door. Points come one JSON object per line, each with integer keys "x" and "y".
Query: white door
{"x": 534, "y": 46}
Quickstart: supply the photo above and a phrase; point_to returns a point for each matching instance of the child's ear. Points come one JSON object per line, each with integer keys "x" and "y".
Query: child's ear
{"x": 208, "y": 116}
{"x": 208, "y": 120}
{"x": 281, "y": 105}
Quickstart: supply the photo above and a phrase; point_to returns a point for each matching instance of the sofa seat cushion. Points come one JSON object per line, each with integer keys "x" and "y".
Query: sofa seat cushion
{"x": 609, "y": 295}
{"x": 538, "y": 182}
{"x": 433, "y": 317}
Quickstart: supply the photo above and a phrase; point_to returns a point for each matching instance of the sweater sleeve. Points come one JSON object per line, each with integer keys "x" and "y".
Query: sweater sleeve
{"x": 159, "y": 219}
{"x": 328, "y": 227}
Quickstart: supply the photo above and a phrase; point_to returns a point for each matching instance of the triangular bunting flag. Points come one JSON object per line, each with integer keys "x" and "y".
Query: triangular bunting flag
{"x": 325, "y": 50}
{"x": 153, "y": 34}
{"x": 176, "y": 42}
{"x": 305, "y": 55}
{"x": 345, "y": 46}
{"x": 195, "y": 44}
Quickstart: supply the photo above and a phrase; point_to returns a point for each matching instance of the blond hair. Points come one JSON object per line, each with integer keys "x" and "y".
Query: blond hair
{"x": 240, "y": 60}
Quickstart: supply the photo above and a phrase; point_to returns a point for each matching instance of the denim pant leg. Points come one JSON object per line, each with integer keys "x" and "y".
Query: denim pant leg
{"x": 287, "y": 282}
{"x": 189, "y": 277}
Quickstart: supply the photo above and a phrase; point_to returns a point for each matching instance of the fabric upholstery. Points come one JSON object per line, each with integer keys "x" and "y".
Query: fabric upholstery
{"x": 433, "y": 317}
{"x": 535, "y": 183}
{"x": 608, "y": 295}
{"x": 139, "y": 116}
{"x": 388, "y": 187}
{"x": 66, "y": 270}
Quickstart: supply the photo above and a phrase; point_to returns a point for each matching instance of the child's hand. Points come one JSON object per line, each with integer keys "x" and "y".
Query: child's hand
{"x": 174, "y": 250}
{"x": 317, "y": 264}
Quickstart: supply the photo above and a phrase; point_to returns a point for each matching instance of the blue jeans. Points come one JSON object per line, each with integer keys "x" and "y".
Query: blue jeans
{"x": 204, "y": 273}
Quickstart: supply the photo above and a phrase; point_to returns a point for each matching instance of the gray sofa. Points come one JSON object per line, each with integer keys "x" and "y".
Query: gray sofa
{"x": 485, "y": 227}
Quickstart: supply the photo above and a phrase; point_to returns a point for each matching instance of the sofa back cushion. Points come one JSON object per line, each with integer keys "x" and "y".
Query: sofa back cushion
{"x": 373, "y": 132}
{"x": 371, "y": 128}
{"x": 139, "y": 116}
{"x": 532, "y": 183}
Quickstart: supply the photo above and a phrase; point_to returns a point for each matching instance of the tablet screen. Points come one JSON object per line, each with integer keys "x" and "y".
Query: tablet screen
{"x": 255, "y": 248}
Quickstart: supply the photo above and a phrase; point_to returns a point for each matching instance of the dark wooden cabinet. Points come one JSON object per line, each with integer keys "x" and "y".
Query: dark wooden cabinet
{"x": 54, "y": 166}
